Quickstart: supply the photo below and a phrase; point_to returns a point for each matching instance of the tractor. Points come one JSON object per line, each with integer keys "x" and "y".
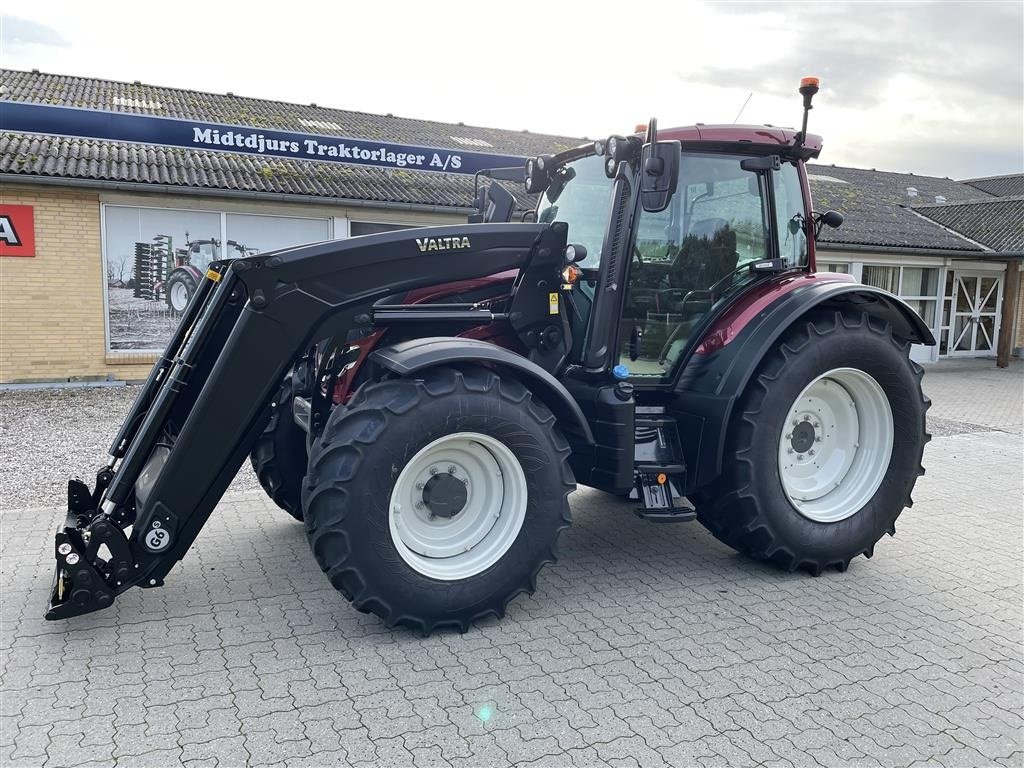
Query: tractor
{"x": 425, "y": 400}
{"x": 190, "y": 264}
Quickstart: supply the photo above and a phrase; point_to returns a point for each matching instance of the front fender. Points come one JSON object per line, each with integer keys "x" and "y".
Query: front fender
{"x": 409, "y": 357}
{"x": 732, "y": 350}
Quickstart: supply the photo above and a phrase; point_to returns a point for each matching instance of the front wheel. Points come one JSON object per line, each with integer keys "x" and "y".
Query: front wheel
{"x": 825, "y": 447}
{"x": 433, "y": 502}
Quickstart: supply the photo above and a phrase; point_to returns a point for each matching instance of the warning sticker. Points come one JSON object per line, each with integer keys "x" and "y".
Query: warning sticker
{"x": 553, "y": 303}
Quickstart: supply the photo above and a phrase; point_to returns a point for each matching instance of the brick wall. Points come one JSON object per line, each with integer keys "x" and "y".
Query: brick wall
{"x": 51, "y": 305}
{"x": 52, "y": 324}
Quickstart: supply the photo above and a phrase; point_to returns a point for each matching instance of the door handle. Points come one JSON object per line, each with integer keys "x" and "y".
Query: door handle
{"x": 635, "y": 338}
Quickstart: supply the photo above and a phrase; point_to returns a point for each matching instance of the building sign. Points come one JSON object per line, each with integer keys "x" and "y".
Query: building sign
{"x": 17, "y": 230}
{"x": 23, "y": 117}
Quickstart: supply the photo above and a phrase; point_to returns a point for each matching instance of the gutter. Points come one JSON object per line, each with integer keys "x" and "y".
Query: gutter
{"x": 911, "y": 251}
{"x": 241, "y": 194}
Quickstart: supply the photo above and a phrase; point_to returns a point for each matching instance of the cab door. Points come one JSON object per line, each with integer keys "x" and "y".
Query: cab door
{"x": 690, "y": 258}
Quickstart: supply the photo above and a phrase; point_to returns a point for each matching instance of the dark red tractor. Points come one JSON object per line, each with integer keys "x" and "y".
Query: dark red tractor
{"x": 426, "y": 400}
{"x": 190, "y": 264}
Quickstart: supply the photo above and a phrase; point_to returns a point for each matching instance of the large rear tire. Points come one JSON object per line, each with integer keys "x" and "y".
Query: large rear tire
{"x": 434, "y": 502}
{"x": 279, "y": 456}
{"x": 825, "y": 447}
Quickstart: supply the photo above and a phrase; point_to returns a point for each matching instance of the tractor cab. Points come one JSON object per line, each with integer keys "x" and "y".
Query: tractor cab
{"x": 735, "y": 215}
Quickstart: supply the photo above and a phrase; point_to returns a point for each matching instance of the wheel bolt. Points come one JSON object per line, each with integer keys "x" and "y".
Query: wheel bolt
{"x": 789, "y": 450}
{"x": 816, "y": 425}
{"x": 789, "y": 435}
{"x": 433, "y": 470}
{"x": 419, "y": 505}
{"x": 810, "y": 452}
{"x": 817, "y": 439}
{"x": 451, "y": 469}
{"x": 800, "y": 457}
{"x": 419, "y": 486}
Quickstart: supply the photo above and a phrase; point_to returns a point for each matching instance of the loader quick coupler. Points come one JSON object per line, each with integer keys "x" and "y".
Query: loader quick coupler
{"x": 85, "y": 580}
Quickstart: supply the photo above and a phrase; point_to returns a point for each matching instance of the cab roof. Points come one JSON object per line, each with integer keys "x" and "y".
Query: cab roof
{"x": 762, "y": 138}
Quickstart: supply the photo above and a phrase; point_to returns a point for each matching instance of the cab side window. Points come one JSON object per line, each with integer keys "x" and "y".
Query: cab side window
{"x": 789, "y": 211}
{"x": 717, "y": 222}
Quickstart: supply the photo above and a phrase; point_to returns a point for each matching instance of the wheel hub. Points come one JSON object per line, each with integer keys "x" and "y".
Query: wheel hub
{"x": 803, "y": 437}
{"x": 445, "y": 495}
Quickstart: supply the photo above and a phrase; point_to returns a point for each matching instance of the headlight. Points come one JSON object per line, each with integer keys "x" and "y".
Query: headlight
{"x": 598, "y": 147}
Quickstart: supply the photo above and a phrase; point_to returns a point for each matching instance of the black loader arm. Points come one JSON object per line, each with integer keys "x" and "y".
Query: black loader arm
{"x": 211, "y": 392}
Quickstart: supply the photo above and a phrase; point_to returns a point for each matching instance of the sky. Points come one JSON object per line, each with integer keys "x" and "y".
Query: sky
{"x": 933, "y": 88}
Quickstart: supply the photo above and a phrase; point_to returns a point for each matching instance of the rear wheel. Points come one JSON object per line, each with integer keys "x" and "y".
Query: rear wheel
{"x": 825, "y": 448}
{"x": 180, "y": 287}
{"x": 434, "y": 502}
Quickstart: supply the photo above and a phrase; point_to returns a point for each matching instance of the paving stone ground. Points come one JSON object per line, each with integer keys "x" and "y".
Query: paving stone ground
{"x": 646, "y": 645}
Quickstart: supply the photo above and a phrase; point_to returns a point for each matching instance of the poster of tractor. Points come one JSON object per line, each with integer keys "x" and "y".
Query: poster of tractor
{"x": 163, "y": 273}
{"x": 155, "y": 257}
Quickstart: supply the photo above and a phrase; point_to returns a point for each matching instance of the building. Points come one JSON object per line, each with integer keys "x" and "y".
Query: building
{"x": 949, "y": 248}
{"x": 122, "y": 185}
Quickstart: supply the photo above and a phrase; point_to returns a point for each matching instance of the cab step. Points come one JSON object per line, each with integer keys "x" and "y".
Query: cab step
{"x": 660, "y": 470}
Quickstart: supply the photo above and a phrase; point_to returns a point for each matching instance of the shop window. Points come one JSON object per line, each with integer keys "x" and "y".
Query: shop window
{"x": 248, "y": 234}
{"x": 919, "y": 281}
{"x": 917, "y": 286}
{"x": 154, "y": 258}
{"x": 886, "y": 278}
{"x": 357, "y": 228}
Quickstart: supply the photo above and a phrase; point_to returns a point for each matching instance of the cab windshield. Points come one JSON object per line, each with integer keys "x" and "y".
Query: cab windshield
{"x": 580, "y": 195}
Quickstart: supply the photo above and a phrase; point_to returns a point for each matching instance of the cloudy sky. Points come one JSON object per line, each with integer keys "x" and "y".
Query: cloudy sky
{"x": 928, "y": 87}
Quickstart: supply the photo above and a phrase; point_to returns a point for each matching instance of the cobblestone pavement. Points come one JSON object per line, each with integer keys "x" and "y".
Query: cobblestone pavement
{"x": 645, "y": 645}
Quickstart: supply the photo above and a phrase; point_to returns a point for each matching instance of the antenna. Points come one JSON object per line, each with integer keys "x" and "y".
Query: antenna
{"x": 735, "y": 119}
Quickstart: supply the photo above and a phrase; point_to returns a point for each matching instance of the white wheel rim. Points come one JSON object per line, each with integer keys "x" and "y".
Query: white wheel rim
{"x": 481, "y": 530}
{"x": 835, "y": 445}
{"x": 179, "y": 296}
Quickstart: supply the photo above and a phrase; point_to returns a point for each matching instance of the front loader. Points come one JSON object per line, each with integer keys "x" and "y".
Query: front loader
{"x": 425, "y": 400}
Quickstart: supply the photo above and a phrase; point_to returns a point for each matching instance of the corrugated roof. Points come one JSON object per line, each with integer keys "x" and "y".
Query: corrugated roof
{"x": 873, "y": 202}
{"x": 1008, "y": 185}
{"x": 997, "y": 223}
{"x": 874, "y": 206}
{"x": 141, "y": 99}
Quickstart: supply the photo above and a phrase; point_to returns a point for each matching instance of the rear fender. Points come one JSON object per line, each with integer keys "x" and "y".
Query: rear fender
{"x": 410, "y": 357}
{"x": 728, "y": 356}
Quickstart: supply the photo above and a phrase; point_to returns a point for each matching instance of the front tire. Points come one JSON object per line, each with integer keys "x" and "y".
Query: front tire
{"x": 825, "y": 447}
{"x": 434, "y": 502}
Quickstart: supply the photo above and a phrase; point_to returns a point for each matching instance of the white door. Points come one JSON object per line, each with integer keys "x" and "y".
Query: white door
{"x": 977, "y": 299}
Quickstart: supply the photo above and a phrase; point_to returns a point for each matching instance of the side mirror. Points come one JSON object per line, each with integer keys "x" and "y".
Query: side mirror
{"x": 659, "y": 174}
{"x": 832, "y": 219}
{"x": 498, "y": 204}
